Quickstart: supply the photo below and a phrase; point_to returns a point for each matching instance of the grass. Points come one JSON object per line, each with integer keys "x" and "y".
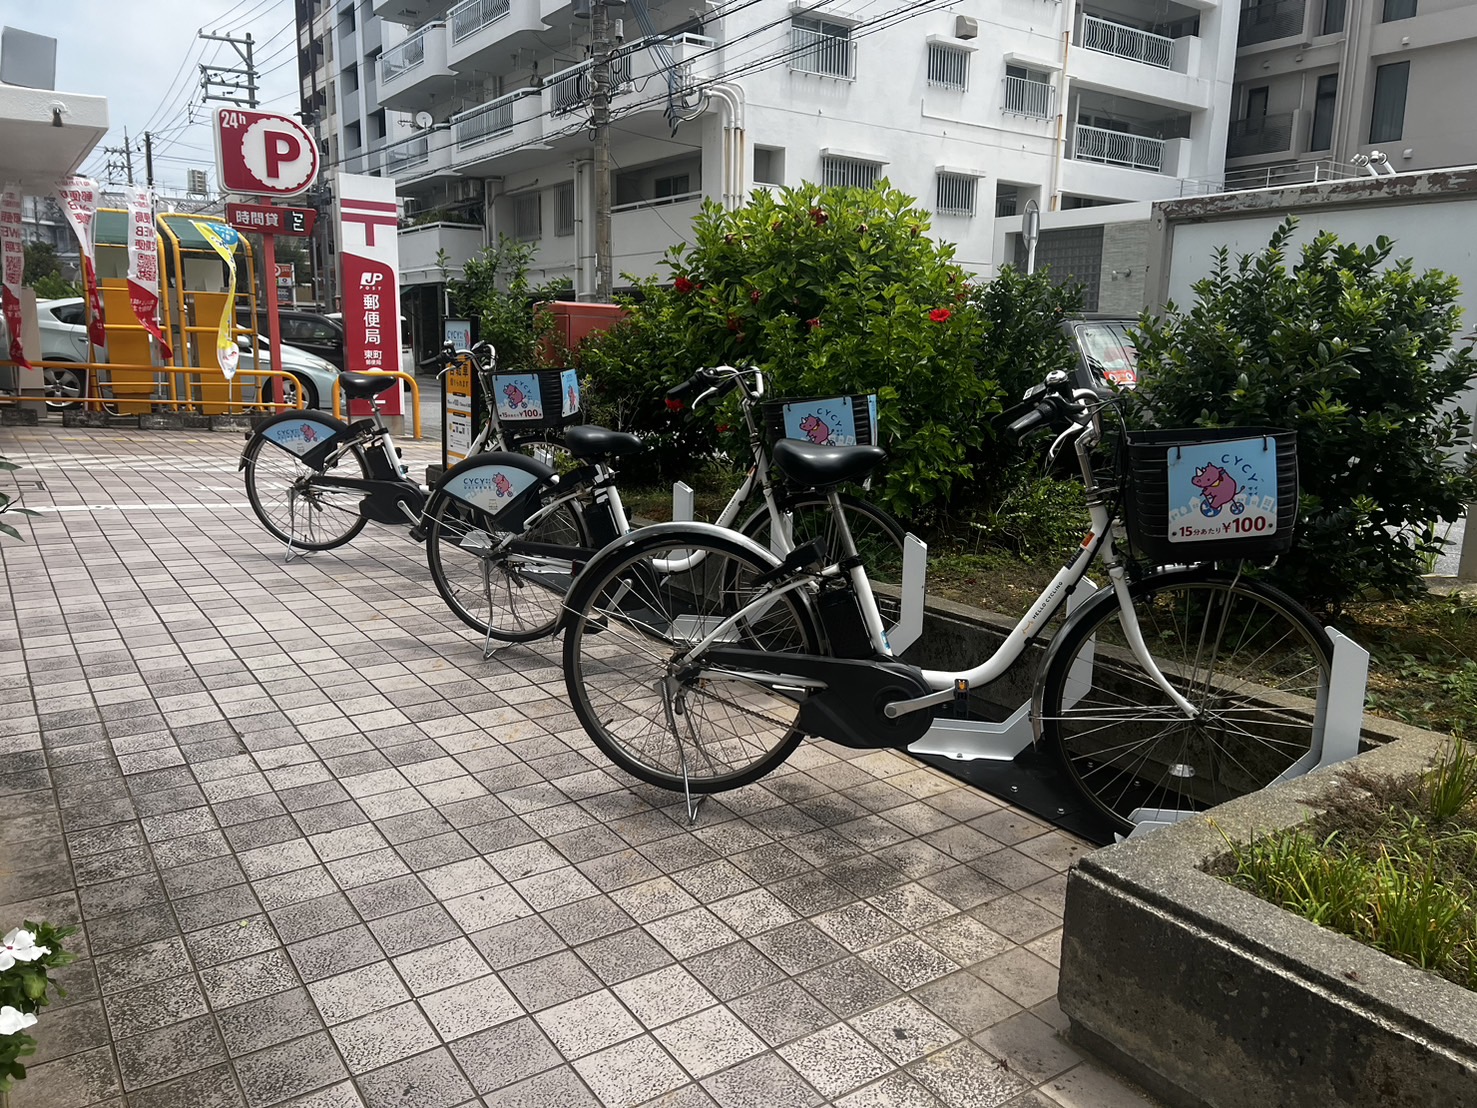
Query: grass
{"x": 1390, "y": 862}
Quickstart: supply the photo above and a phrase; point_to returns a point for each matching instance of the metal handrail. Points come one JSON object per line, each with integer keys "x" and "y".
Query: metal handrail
{"x": 471, "y": 16}
{"x": 485, "y": 120}
{"x": 1024, "y": 96}
{"x": 1098, "y": 144}
{"x": 822, "y": 54}
{"x": 405, "y": 56}
{"x": 415, "y": 396}
{"x": 1120, "y": 40}
{"x": 1271, "y": 19}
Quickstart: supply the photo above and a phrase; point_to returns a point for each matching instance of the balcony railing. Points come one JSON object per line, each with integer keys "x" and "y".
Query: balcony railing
{"x": 1259, "y": 134}
{"x": 408, "y": 154}
{"x": 1024, "y": 96}
{"x": 1271, "y": 19}
{"x": 823, "y": 54}
{"x": 1097, "y": 144}
{"x": 486, "y": 120}
{"x": 406, "y": 56}
{"x": 470, "y": 17}
{"x": 1107, "y": 37}
{"x": 570, "y": 90}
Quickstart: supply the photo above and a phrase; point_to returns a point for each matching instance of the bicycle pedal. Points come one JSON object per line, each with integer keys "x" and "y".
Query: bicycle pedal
{"x": 417, "y": 534}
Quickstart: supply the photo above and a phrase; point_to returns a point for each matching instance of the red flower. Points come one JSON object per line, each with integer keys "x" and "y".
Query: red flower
{"x": 674, "y": 405}
{"x": 940, "y": 315}
{"x": 683, "y": 285}
{"x": 819, "y": 216}
{"x": 732, "y": 323}
{"x": 755, "y": 296}
{"x": 813, "y": 324}
{"x": 723, "y": 428}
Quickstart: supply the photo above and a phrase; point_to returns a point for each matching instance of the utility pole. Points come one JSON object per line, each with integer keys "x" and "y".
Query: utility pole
{"x": 120, "y": 159}
{"x": 237, "y": 84}
{"x": 149, "y": 159}
{"x": 600, "y": 107}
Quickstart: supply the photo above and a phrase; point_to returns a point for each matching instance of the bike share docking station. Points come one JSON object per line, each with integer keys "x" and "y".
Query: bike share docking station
{"x": 1001, "y": 757}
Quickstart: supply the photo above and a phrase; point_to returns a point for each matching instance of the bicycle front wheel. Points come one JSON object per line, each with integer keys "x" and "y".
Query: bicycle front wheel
{"x": 639, "y": 606}
{"x": 1251, "y": 659}
{"x": 292, "y": 502}
{"x": 513, "y": 597}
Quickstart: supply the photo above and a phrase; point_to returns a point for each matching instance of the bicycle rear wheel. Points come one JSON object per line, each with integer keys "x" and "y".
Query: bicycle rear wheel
{"x": 633, "y": 611}
{"x": 504, "y": 595}
{"x": 294, "y": 506}
{"x": 1250, "y": 658}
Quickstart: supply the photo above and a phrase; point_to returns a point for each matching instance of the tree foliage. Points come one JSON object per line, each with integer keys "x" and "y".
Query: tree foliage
{"x": 1354, "y": 352}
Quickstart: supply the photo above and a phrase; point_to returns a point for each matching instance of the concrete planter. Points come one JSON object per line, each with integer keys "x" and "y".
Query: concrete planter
{"x": 1209, "y": 996}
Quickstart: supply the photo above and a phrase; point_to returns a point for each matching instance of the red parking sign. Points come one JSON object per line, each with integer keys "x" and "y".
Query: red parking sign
{"x": 263, "y": 153}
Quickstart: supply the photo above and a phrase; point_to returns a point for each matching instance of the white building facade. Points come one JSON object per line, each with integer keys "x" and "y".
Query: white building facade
{"x": 974, "y": 108}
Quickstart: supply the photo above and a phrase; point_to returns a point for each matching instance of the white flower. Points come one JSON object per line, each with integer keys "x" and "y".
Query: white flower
{"x": 13, "y": 1020}
{"x": 20, "y": 946}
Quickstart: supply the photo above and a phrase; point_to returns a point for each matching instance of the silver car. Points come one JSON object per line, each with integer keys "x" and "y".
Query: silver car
{"x": 64, "y": 339}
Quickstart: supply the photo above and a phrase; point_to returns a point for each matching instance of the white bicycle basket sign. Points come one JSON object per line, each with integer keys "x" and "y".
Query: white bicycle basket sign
{"x": 519, "y": 396}
{"x": 299, "y": 435}
{"x": 490, "y": 488}
{"x": 1223, "y": 490}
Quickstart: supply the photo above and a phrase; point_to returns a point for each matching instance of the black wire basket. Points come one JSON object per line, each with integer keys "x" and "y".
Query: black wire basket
{"x": 825, "y": 420}
{"x": 538, "y": 398}
{"x": 1201, "y": 495}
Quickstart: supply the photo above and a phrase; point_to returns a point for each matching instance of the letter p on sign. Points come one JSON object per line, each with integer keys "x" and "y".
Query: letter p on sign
{"x": 263, "y": 153}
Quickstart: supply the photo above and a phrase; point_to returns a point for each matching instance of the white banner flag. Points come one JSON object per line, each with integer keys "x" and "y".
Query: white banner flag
{"x": 12, "y": 269}
{"x": 78, "y": 197}
{"x": 143, "y": 265}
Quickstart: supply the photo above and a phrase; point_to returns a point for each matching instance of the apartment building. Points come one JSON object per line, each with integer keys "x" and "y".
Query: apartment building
{"x": 974, "y": 108}
{"x": 1321, "y": 81}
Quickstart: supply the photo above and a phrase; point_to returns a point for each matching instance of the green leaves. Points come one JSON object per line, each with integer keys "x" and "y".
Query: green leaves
{"x": 7, "y": 507}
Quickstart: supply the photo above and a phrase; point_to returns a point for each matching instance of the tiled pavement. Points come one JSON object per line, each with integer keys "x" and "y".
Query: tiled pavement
{"x": 326, "y": 856}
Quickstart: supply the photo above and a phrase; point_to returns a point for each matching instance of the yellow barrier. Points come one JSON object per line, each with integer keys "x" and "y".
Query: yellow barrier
{"x": 415, "y": 397}
{"x": 93, "y": 398}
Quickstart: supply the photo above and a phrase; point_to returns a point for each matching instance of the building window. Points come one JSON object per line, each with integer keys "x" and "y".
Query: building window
{"x": 954, "y": 194}
{"x": 948, "y": 66}
{"x": 849, "y": 173}
{"x": 1328, "y": 92}
{"x": 665, "y": 182}
{"x": 354, "y": 135}
{"x": 1398, "y": 9}
{"x": 1333, "y": 16}
{"x": 1256, "y": 102}
{"x": 678, "y": 184}
{"x": 528, "y": 217}
{"x": 377, "y": 126}
{"x": 351, "y": 78}
{"x": 1028, "y": 92}
{"x": 769, "y": 165}
{"x": 1007, "y": 201}
{"x": 1387, "y": 120}
{"x": 818, "y": 46}
{"x": 564, "y": 207}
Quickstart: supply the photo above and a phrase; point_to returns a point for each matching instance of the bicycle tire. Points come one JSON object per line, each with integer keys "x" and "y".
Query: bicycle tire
{"x": 520, "y": 608}
{"x": 1119, "y": 738}
{"x": 878, "y": 536}
{"x": 625, "y": 620}
{"x": 268, "y": 464}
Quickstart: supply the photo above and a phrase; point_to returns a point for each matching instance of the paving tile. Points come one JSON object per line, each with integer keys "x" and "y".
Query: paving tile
{"x": 429, "y": 1080}
{"x": 180, "y": 1048}
{"x": 385, "y": 898}
{"x": 904, "y": 1030}
{"x": 835, "y": 1060}
{"x": 155, "y": 1005}
{"x": 358, "y": 992}
{"x": 439, "y": 966}
{"x": 664, "y": 995}
{"x": 208, "y": 1088}
{"x": 963, "y": 1076}
{"x": 858, "y": 925}
{"x": 588, "y": 1023}
{"x": 130, "y": 929}
{"x": 557, "y": 1088}
{"x": 896, "y": 1090}
{"x": 334, "y": 952}
{"x": 909, "y": 962}
{"x": 70, "y": 1030}
{"x": 142, "y": 965}
{"x": 1091, "y": 1086}
{"x": 624, "y": 955}
{"x": 630, "y": 1073}
{"x": 1020, "y": 975}
{"x": 551, "y": 980}
{"x": 507, "y": 1053}
{"x": 782, "y": 1012}
{"x": 267, "y": 1021}
{"x": 733, "y": 970}
{"x": 86, "y": 1078}
{"x": 382, "y": 1037}
{"x": 1032, "y": 1048}
{"x": 799, "y": 946}
{"x": 708, "y": 1041}
{"x": 227, "y": 941}
{"x": 763, "y": 1082}
{"x": 848, "y": 987}
{"x": 470, "y": 1007}
{"x": 690, "y": 933}
{"x": 248, "y": 979}
{"x": 509, "y": 944}
{"x": 478, "y": 911}
{"x": 289, "y": 1069}
{"x": 964, "y": 939}
{"x": 310, "y": 918}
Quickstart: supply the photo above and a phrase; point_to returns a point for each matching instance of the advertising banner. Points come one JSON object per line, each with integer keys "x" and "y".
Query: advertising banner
{"x": 366, "y": 218}
{"x": 13, "y": 265}
{"x": 78, "y": 196}
{"x": 143, "y": 265}
{"x": 224, "y": 239}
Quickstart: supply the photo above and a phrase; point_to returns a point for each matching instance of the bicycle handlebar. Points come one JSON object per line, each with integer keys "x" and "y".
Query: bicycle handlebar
{"x": 714, "y": 382}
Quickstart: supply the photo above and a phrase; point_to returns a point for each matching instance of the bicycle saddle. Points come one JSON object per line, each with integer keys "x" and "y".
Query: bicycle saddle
{"x": 587, "y": 440}
{"x": 362, "y": 386}
{"x": 818, "y": 467}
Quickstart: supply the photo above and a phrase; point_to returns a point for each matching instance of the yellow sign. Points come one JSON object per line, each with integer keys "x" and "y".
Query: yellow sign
{"x": 459, "y": 429}
{"x": 224, "y": 239}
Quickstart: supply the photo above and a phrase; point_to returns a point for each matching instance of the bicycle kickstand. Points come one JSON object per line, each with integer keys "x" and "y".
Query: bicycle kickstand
{"x": 291, "y": 524}
{"x": 489, "y": 645}
{"x": 692, "y": 805}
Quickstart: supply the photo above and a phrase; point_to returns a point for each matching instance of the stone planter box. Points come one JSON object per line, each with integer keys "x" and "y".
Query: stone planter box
{"x": 1208, "y": 996}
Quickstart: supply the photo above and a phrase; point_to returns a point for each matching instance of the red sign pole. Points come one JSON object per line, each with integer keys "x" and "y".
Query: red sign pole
{"x": 274, "y": 324}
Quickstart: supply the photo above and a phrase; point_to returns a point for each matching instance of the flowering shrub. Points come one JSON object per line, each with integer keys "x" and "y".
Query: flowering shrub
{"x": 26, "y": 954}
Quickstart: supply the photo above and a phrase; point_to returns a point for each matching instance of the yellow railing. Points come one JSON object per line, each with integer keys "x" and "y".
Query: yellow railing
{"x": 415, "y": 396}
{"x": 168, "y": 383}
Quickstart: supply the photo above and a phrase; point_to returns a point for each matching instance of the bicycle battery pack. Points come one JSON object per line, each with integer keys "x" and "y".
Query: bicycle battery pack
{"x": 849, "y": 709}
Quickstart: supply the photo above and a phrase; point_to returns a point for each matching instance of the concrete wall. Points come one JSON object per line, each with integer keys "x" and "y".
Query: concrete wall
{"x": 1125, "y": 260}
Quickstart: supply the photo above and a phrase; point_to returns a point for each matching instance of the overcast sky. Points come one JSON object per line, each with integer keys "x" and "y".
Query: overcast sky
{"x": 144, "y": 56}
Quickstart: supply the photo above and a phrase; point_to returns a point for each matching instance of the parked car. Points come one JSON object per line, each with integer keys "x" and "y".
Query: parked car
{"x": 1106, "y": 356}
{"x": 320, "y": 335}
{"x": 64, "y": 339}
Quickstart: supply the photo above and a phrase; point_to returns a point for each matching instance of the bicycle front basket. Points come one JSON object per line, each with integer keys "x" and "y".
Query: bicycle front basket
{"x": 1200, "y": 495}
{"x": 538, "y": 398}
{"x": 827, "y": 420}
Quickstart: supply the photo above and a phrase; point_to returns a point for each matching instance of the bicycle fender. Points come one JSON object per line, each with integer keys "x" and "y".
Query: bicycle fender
{"x": 692, "y": 527}
{"x": 311, "y": 435}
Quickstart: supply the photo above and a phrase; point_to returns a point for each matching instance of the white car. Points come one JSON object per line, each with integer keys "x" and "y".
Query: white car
{"x": 64, "y": 339}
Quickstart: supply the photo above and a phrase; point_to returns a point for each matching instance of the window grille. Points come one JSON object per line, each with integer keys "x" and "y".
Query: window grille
{"x": 955, "y": 194}
{"x": 849, "y": 173}
{"x": 948, "y": 66}
{"x": 528, "y": 217}
{"x": 564, "y": 205}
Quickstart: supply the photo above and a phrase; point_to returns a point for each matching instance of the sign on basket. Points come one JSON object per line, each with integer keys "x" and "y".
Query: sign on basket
{"x": 1223, "y": 490}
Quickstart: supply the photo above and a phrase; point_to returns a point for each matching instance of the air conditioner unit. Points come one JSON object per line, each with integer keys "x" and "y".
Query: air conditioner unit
{"x": 966, "y": 26}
